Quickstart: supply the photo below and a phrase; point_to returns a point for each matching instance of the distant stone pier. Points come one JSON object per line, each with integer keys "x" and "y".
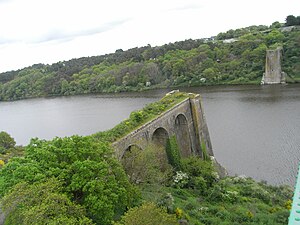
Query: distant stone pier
{"x": 273, "y": 73}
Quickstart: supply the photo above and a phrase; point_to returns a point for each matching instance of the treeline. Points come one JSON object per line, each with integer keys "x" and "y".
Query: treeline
{"x": 234, "y": 57}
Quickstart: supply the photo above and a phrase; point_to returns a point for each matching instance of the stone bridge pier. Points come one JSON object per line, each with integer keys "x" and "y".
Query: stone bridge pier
{"x": 185, "y": 121}
{"x": 273, "y": 73}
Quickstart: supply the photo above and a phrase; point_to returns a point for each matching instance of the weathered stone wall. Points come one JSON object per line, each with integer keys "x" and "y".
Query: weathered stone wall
{"x": 273, "y": 73}
{"x": 185, "y": 120}
{"x": 2, "y": 217}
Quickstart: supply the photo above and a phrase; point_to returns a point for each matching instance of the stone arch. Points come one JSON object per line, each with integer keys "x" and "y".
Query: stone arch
{"x": 183, "y": 135}
{"x": 132, "y": 146}
{"x": 160, "y": 137}
{"x": 128, "y": 160}
{"x": 130, "y": 149}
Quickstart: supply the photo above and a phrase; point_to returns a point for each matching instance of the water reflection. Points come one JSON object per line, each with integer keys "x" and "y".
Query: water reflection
{"x": 272, "y": 94}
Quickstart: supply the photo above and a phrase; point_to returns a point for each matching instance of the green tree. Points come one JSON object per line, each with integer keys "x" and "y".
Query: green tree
{"x": 41, "y": 203}
{"x": 275, "y": 36}
{"x": 6, "y": 142}
{"x": 64, "y": 87}
{"x": 91, "y": 176}
{"x": 291, "y": 20}
{"x": 147, "y": 214}
{"x": 196, "y": 167}
{"x": 275, "y": 25}
{"x": 210, "y": 73}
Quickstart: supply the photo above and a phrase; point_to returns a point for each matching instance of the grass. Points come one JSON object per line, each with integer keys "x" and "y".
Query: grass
{"x": 140, "y": 117}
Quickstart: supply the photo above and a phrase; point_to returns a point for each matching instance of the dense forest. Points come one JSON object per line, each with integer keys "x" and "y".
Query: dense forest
{"x": 234, "y": 57}
{"x": 78, "y": 180}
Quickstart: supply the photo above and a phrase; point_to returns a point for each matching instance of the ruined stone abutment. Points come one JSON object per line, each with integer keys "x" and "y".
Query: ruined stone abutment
{"x": 185, "y": 121}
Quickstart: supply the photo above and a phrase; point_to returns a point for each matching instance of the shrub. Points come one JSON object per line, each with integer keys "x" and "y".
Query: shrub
{"x": 180, "y": 179}
{"x": 147, "y": 166}
{"x": 147, "y": 214}
{"x": 173, "y": 153}
{"x": 1, "y": 163}
{"x": 6, "y": 141}
{"x": 195, "y": 168}
{"x": 41, "y": 203}
{"x": 198, "y": 183}
{"x": 167, "y": 201}
{"x": 3, "y": 150}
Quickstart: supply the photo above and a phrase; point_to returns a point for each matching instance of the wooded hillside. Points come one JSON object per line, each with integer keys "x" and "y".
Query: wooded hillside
{"x": 233, "y": 57}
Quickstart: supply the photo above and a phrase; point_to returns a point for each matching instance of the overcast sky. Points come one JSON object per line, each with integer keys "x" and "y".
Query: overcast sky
{"x": 48, "y": 31}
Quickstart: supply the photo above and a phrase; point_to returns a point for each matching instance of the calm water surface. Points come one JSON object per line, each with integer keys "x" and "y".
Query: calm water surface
{"x": 255, "y": 130}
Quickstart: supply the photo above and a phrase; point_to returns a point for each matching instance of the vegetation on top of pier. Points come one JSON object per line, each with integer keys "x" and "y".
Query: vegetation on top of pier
{"x": 233, "y": 57}
{"x": 140, "y": 117}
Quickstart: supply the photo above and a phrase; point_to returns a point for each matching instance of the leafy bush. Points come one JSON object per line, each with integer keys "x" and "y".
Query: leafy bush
{"x": 147, "y": 214}
{"x": 1, "y": 163}
{"x": 147, "y": 166}
{"x": 41, "y": 203}
{"x": 8, "y": 148}
{"x": 2, "y": 150}
{"x": 180, "y": 179}
{"x": 167, "y": 201}
{"x": 202, "y": 172}
{"x": 6, "y": 141}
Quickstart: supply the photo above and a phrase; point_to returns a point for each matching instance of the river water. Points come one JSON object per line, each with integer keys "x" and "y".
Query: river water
{"x": 255, "y": 130}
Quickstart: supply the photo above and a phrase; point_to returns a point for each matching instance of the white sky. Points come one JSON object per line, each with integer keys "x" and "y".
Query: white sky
{"x": 48, "y": 31}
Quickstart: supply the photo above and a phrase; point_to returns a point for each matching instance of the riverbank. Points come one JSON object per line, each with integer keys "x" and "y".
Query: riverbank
{"x": 149, "y": 89}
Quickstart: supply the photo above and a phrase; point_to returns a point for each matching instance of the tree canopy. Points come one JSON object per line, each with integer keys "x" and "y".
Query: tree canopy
{"x": 42, "y": 203}
{"x": 89, "y": 175}
{"x": 292, "y": 20}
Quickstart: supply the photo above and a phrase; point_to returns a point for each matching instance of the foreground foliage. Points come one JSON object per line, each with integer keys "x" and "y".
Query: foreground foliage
{"x": 147, "y": 214}
{"x": 231, "y": 200}
{"x": 42, "y": 203}
{"x": 89, "y": 174}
